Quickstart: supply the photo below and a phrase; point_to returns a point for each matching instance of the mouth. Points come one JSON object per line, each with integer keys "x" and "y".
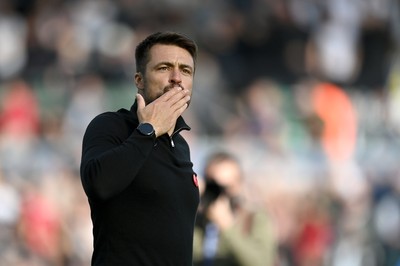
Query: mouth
{"x": 171, "y": 86}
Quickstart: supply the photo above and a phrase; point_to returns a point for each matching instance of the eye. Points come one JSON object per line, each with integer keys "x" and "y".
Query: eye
{"x": 163, "y": 68}
{"x": 187, "y": 71}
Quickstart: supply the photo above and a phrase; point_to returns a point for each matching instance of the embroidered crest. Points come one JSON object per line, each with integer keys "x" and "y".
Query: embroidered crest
{"x": 195, "y": 180}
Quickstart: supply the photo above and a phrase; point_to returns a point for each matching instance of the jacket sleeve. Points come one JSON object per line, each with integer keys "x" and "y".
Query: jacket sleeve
{"x": 110, "y": 159}
{"x": 257, "y": 247}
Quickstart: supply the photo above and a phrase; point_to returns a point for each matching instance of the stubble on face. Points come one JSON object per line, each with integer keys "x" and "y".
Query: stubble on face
{"x": 150, "y": 96}
{"x": 156, "y": 81}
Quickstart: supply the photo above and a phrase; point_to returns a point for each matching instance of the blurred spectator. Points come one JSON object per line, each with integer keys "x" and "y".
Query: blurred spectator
{"x": 19, "y": 127}
{"x": 315, "y": 235}
{"x": 333, "y": 106}
{"x": 386, "y": 222}
{"x": 40, "y": 225}
{"x": 261, "y": 114}
{"x": 87, "y": 100}
{"x": 20, "y": 111}
{"x": 9, "y": 213}
{"x": 13, "y": 34}
{"x": 229, "y": 230}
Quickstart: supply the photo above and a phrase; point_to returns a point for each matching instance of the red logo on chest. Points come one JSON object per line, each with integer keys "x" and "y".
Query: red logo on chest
{"x": 195, "y": 180}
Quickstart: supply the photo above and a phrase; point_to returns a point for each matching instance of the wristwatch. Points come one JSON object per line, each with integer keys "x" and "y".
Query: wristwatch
{"x": 146, "y": 129}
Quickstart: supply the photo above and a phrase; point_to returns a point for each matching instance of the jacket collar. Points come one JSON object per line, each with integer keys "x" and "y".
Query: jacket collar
{"x": 180, "y": 122}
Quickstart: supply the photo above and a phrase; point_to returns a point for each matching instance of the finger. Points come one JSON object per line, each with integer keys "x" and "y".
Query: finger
{"x": 140, "y": 101}
{"x": 179, "y": 99}
{"x": 180, "y": 110}
{"x": 177, "y": 92}
{"x": 181, "y": 102}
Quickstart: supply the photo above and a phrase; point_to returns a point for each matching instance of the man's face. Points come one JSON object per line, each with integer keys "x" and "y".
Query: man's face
{"x": 169, "y": 66}
{"x": 226, "y": 174}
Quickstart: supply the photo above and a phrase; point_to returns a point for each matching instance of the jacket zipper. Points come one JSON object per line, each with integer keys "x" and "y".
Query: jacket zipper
{"x": 173, "y": 134}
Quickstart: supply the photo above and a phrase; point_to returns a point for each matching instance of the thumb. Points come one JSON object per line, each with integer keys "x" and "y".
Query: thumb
{"x": 140, "y": 101}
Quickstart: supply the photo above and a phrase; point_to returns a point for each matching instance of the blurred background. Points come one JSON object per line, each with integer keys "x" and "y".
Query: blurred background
{"x": 306, "y": 93}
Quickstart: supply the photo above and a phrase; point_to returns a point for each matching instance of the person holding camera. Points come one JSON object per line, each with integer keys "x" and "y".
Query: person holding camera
{"x": 228, "y": 231}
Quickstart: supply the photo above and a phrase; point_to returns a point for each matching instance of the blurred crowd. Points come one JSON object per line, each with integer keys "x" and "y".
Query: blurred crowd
{"x": 305, "y": 93}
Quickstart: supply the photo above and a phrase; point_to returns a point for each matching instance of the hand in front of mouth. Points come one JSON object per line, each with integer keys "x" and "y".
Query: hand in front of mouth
{"x": 163, "y": 112}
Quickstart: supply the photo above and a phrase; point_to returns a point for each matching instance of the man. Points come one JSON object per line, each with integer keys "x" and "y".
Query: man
{"x": 136, "y": 168}
{"x": 229, "y": 231}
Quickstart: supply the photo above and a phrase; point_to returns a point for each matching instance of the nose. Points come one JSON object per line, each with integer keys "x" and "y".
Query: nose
{"x": 175, "y": 76}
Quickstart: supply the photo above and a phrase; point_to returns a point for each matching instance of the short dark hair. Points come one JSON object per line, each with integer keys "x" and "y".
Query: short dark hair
{"x": 219, "y": 157}
{"x": 142, "y": 56}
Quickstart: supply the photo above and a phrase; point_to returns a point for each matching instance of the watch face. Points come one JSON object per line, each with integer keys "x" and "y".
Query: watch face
{"x": 146, "y": 129}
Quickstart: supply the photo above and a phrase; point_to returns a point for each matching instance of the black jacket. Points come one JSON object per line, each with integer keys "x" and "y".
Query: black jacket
{"x": 141, "y": 192}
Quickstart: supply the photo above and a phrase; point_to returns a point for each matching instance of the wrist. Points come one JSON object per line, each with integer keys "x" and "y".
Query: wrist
{"x": 146, "y": 129}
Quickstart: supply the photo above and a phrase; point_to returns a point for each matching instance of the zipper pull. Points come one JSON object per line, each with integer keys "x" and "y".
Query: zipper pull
{"x": 172, "y": 143}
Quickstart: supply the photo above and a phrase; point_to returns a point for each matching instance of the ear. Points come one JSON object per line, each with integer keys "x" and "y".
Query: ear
{"x": 139, "y": 81}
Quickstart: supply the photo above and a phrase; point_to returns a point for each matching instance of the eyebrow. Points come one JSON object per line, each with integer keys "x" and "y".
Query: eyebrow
{"x": 181, "y": 66}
